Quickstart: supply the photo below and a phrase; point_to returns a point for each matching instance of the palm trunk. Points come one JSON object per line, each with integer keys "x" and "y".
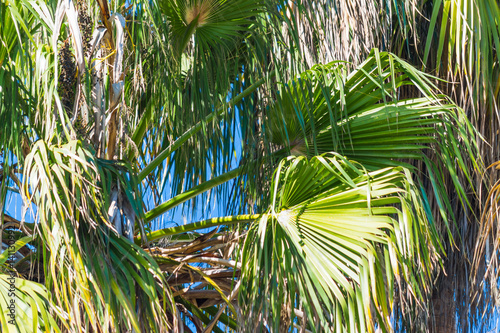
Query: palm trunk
{"x": 443, "y": 316}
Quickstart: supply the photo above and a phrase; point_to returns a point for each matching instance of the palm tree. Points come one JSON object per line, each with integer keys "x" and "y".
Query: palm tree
{"x": 346, "y": 175}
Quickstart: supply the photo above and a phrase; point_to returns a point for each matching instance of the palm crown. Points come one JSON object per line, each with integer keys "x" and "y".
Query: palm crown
{"x": 345, "y": 178}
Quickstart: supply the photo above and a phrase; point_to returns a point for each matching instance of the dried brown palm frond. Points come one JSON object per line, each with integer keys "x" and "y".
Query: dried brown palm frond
{"x": 201, "y": 272}
{"x": 486, "y": 261}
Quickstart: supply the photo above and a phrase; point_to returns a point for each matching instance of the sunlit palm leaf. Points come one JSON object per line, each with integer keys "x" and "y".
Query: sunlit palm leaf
{"x": 31, "y": 311}
{"x": 180, "y": 70}
{"x": 359, "y": 115}
{"x": 25, "y": 304}
{"x": 118, "y": 287}
{"x": 337, "y": 242}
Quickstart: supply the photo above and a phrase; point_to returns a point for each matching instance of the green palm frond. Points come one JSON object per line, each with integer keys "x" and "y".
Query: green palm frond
{"x": 31, "y": 311}
{"x": 327, "y": 108}
{"x": 186, "y": 91}
{"x": 214, "y": 23}
{"x": 205, "y": 99}
{"x": 120, "y": 288}
{"x": 360, "y": 116}
{"x": 337, "y": 244}
{"x": 25, "y": 304}
{"x": 462, "y": 45}
{"x": 16, "y": 33}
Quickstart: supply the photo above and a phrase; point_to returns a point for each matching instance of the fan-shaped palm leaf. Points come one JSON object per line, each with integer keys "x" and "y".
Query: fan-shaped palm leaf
{"x": 213, "y": 22}
{"x": 336, "y": 244}
{"x": 360, "y": 116}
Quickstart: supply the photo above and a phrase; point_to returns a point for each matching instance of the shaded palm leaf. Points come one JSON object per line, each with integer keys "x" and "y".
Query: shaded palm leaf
{"x": 213, "y": 22}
